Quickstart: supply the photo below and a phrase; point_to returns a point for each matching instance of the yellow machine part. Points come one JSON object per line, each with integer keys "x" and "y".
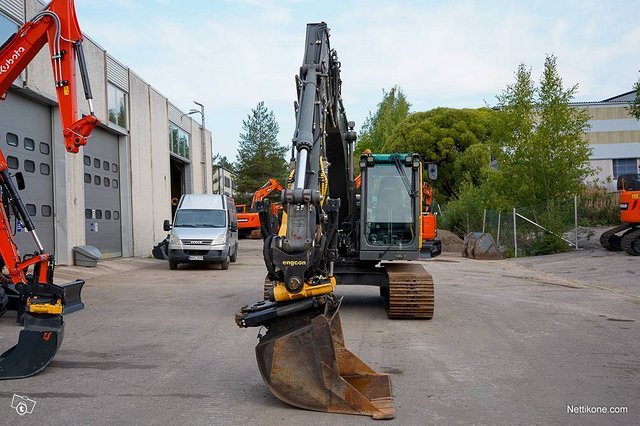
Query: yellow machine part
{"x": 281, "y": 294}
{"x": 45, "y": 308}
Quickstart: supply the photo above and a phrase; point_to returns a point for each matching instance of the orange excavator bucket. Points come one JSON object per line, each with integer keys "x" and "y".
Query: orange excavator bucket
{"x": 304, "y": 362}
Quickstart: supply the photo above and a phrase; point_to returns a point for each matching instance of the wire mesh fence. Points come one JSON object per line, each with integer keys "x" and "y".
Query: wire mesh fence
{"x": 551, "y": 227}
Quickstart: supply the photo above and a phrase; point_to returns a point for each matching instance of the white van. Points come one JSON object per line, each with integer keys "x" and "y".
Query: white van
{"x": 204, "y": 230}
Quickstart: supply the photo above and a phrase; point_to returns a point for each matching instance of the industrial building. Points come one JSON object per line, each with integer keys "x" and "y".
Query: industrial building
{"x": 117, "y": 191}
{"x": 224, "y": 182}
{"x": 614, "y": 138}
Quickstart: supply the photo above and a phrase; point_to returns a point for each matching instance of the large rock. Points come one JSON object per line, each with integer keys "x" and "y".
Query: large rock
{"x": 480, "y": 246}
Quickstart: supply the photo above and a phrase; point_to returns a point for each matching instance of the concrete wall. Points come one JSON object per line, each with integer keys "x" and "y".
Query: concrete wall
{"x": 200, "y": 165}
{"x": 141, "y": 182}
{"x": 160, "y": 173}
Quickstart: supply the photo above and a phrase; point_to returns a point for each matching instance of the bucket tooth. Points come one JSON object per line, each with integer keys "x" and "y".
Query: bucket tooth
{"x": 304, "y": 362}
{"x": 38, "y": 343}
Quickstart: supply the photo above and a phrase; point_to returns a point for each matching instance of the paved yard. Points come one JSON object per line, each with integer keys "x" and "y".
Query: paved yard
{"x": 512, "y": 342}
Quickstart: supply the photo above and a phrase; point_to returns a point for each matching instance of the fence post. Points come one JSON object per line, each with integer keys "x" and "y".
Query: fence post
{"x": 498, "y": 236}
{"x": 575, "y": 213}
{"x": 515, "y": 236}
{"x": 484, "y": 219}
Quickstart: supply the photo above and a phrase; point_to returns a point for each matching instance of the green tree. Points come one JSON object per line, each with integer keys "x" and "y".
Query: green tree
{"x": 634, "y": 108}
{"x": 259, "y": 155}
{"x": 379, "y": 127}
{"x": 442, "y": 135}
{"x": 540, "y": 148}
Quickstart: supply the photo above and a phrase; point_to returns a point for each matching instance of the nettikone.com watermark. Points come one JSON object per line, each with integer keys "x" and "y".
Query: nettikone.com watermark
{"x": 22, "y": 404}
{"x": 594, "y": 409}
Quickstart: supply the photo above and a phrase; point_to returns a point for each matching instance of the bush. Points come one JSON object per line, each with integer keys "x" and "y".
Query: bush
{"x": 464, "y": 214}
{"x": 596, "y": 207}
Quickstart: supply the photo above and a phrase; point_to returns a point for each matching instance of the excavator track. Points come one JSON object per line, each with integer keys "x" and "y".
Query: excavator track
{"x": 631, "y": 243}
{"x": 411, "y": 292}
{"x": 610, "y": 240}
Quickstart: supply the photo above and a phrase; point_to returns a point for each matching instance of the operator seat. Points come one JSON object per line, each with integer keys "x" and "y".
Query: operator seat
{"x": 391, "y": 200}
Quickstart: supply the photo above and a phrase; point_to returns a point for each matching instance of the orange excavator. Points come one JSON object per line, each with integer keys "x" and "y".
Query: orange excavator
{"x": 249, "y": 218}
{"x": 626, "y": 236}
{"x": 28, "y": 287}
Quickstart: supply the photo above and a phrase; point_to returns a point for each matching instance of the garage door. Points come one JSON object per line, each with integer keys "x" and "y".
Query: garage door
{"x": 102, "y": 193}
{"x": 25, "y": 133}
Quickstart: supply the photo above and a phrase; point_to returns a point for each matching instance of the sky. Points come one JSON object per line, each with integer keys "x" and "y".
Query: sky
{"x": 230, "y": 55}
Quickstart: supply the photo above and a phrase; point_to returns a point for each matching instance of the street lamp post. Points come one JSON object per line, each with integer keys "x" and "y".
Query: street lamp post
{"x": 203, "y": 137}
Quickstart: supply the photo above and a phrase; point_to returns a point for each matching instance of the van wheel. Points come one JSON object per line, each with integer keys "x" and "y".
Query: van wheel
{"x": 173, "y": 265}
{"x": 225, "y": 265}
{"x": 234, "y": 257}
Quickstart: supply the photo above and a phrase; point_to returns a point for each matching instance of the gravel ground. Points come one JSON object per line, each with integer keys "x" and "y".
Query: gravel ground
{"x": 518, "y": 341}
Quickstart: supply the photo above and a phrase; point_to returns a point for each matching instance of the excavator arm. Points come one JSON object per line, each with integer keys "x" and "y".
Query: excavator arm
{"x": 39, "y": 302}
{"x": 266, "y": 189}
{"x": 302, "y": 357}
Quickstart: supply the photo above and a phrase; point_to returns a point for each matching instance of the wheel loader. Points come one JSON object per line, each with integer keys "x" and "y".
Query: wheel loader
{"x": 333, "y": 232}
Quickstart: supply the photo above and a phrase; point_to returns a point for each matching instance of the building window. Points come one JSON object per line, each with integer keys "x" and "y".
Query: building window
{"x": 44, "y": 148}
{"x": 178, "y": 141}
{"x": 7, "y": 27}
{"x": 12, "y": 139}
{"x": 117, "y": 106}
{"x": 29, "y": 144}
{"x": 625, "y": 166}
{"x": 227, "y": 182}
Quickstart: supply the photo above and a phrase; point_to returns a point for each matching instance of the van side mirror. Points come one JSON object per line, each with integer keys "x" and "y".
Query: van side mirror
{"x": 233, "y": 227}
{"x": 166, "y": 225}
{"x": 432, "y": 171}
{"x": 19, "y": 181}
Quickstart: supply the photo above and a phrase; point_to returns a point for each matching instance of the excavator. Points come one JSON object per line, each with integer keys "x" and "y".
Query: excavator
{"x": 28, "y": 287}
{"x": 626, "y": 236}
{"x": 334, "y": 233}
{"x": 249, "y": 218}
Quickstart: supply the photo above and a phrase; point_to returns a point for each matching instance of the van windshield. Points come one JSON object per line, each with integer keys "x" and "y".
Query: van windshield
{"x": 186, "y": 218}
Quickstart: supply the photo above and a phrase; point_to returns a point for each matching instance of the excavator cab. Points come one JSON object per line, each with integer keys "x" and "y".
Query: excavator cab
{"x": 391, "y": 217}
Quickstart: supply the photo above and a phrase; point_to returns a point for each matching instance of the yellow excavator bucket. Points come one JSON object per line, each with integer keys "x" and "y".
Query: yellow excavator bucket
{"x": 304, "y": 362}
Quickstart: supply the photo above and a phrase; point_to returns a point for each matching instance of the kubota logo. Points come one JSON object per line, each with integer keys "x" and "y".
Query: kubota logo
{"x": 294, "y": 262}
{"x": 11, "y": 60}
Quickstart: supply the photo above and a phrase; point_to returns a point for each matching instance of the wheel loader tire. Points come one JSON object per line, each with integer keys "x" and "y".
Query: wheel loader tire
{"x": 173, "y": 265}
{"x": 225, "y": 264}
{"x": 631, "y": 243}
{"x": 610, "y": 239}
